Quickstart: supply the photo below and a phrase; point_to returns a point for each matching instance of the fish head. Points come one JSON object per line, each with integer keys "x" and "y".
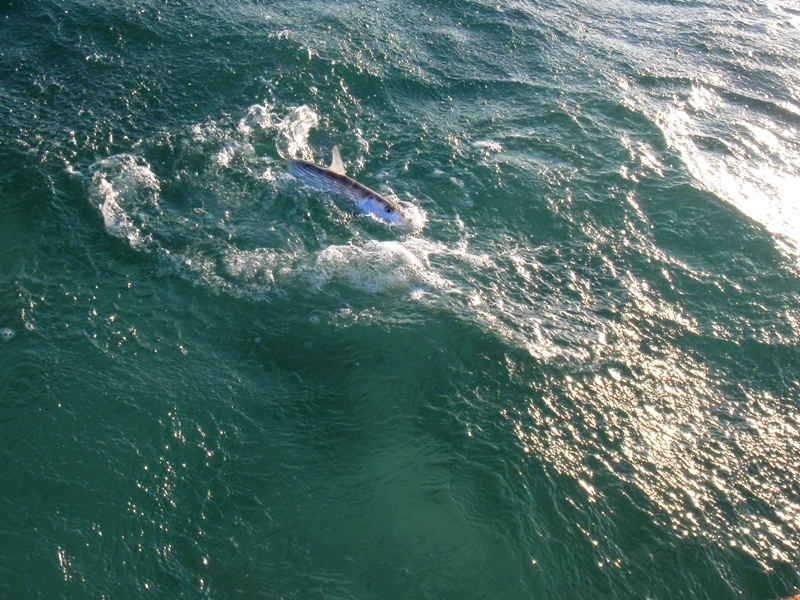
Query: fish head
{"x": 384, "y": 210}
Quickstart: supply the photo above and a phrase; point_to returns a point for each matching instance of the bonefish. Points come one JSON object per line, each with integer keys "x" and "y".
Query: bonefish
{"x": 333, "y": 179}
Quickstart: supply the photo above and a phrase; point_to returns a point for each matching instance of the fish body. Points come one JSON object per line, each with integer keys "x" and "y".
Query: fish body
{"x": 333, "y": 179}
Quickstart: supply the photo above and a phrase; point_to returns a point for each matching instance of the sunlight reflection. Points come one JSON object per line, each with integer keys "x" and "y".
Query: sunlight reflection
{"x": 663, "y": 425}
{"x": 757, "y": 171}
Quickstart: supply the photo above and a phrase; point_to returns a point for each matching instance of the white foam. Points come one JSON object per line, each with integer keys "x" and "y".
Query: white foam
{"x": 127, "y": 191}
{"x": 489, "y": 145}
{"x": 259, "y": 117}
{"x": 415, "y": 216}
{"x": 224, "y": 156}
{"x": 258, "y": 265}
{"x": 204, "y": 132}
{"x": 294, "y": 129}
{"x": 377, "y": 266}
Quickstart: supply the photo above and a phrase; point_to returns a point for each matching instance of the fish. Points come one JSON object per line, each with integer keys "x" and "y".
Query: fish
{"x": 333, "y": 179}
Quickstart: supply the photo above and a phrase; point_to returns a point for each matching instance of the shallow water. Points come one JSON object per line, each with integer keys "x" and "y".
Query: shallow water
{"x": 574, "y": 375}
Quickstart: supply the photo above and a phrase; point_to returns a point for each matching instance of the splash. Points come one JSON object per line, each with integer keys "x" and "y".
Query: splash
{"x": 217, "y": 215}
{"x": 377, "y": 266}
{"x": 127, "y": 194}
{"x": 293, "y": 132}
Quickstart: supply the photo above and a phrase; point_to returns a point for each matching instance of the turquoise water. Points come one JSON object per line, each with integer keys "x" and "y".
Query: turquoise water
{"x": 575, "y": 375}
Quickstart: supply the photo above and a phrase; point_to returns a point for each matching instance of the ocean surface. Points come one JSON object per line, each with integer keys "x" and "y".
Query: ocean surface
{"x": 575, "y": 375}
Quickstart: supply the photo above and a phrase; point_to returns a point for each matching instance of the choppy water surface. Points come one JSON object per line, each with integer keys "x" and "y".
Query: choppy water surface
{"x": 575, "y": 375}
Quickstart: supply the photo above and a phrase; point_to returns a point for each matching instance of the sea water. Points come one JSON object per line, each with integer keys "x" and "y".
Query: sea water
{"x": 574, "y": 375}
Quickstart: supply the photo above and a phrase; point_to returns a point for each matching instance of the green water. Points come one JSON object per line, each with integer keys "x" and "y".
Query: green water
{"x": 574, "y": 375}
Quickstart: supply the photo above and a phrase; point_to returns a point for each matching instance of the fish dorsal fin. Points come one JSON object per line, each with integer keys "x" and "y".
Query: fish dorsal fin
{"x": 337, "y": 166}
